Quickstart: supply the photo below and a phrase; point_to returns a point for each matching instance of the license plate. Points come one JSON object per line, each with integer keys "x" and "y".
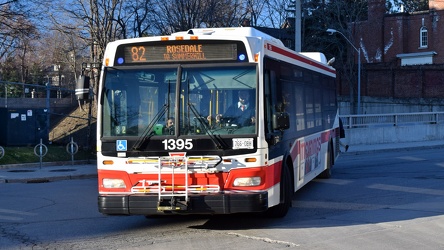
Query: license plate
{"x": 242, "y": 143}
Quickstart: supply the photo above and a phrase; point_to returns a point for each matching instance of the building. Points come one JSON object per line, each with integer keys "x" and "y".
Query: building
{"x": 402, "y": 57}
{"x": 402, "y": 38}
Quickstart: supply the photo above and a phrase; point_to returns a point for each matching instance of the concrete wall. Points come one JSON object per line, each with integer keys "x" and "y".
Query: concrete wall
{"x": 376, "y": 134}
{"x": 394, "y": 134}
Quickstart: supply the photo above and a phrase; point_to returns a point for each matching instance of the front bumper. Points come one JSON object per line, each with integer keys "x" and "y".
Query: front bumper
{"x": 220, "y": 203}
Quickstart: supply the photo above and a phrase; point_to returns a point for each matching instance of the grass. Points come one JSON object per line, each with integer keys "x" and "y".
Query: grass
{"x": 17, "y": 155}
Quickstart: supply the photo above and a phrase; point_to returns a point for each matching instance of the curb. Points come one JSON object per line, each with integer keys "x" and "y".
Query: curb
{"x": 391, "y": 149}
{"x": 49, "y": 164}
{"x": 49, "y": 179}
{"x": 82, "y": 169}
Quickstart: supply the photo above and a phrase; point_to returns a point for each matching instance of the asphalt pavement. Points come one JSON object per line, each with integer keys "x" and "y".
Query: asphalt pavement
{"x": 46, "y": 172}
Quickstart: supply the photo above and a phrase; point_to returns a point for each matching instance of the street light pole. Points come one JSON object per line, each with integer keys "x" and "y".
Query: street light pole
{"x": 359, "y": 81}
{"x": 332, "y": 31}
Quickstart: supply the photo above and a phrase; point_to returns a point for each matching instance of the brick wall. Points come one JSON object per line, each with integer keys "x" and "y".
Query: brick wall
{"x": 384, "y": 36}
{"x": 381, "y": 80}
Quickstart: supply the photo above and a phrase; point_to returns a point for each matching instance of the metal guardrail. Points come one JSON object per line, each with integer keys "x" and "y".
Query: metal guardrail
{"x": 21, "y": 95}
{"x": 394, "y": 119}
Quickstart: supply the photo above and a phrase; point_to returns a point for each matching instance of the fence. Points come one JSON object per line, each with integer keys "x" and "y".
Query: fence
{"x": 12, "y": 95}
{"x": 28, "y": 112}
{"x": 393, "y": 128}
{"x": 395, "y": 119}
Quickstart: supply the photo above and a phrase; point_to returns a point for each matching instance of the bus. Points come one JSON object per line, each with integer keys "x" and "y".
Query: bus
{"x": 171, "y": 138}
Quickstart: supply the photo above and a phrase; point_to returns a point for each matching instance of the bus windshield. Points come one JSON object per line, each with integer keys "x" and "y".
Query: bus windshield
{"x": 179, "y": 100}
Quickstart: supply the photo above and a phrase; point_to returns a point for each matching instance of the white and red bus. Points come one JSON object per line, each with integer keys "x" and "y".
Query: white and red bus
{"x": 169, "y": 140}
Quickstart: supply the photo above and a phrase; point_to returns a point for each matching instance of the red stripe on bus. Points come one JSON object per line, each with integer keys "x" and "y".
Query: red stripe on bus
{"x": 299, "y": 58}
{"x": 325, "y": 137}
{"x": 270, "y": 176}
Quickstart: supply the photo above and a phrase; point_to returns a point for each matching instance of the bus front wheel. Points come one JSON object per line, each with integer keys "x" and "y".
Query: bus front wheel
{"x": 286, "y": 195}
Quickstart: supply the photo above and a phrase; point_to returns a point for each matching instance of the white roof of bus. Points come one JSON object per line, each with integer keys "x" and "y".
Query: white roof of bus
{"x": 211, "y": 33}
{"x": 317, "y": 56}
{"x": 231, "y": 32}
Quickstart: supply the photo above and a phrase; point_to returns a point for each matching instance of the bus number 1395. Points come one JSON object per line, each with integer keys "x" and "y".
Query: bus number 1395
{"x": 179, "y": 144}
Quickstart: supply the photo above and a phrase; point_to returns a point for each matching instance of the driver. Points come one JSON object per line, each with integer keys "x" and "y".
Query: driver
{"x": 242, "y": 113}
{"x": 169, "y": 127}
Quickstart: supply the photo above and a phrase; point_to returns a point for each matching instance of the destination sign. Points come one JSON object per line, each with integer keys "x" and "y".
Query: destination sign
{"x": 179, "y": 52}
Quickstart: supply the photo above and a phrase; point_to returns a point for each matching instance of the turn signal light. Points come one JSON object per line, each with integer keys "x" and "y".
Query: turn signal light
{"x": 250, "y": 159}
{"x": 107, "y": 162}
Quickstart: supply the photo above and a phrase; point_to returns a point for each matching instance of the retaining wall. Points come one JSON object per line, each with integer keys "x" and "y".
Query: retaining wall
{"x": 394, "y": 134}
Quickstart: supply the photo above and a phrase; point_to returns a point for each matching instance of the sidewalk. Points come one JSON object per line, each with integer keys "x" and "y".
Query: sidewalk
{"x": 33, "y": 173}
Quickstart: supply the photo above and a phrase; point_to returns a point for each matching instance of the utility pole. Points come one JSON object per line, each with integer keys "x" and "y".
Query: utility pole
{"x": 296, "y": 4}
{"x": 298, "y": 26}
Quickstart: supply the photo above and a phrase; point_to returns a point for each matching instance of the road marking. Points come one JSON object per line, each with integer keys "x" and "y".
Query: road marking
{"x": 11, "y": 218}
{"x": 13, "y": 215}
{"x": 411, "y": 158}
{"x": 8, "y": 211}
{"x": 337, "y": 205}
{"x": 267, "y": 240}
{"x": 407, "y": 189}
{"x": 334, "y": 181}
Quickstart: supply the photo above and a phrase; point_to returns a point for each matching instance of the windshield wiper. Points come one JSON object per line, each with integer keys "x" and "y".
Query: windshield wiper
{"x": 149, "y": 132}
{"x": 220, "y": 144}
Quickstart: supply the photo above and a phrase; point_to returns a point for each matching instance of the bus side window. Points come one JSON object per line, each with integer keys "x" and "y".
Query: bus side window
{"x": 268, "y": 100}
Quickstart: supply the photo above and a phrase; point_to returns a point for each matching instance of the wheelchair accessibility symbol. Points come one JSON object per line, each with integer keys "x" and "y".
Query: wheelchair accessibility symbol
{"x": 121, "y": 145}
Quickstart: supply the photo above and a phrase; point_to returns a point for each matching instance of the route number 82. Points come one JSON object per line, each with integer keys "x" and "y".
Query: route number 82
{"x": 179, "y": 144}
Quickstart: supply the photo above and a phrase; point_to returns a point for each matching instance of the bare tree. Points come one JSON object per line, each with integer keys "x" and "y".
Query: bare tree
{"x": 341, "y": 16}
{"x": 16, "y": 35}
{"x": 222, "y": 13}
{"x": 253, "y": 10}
{"x": 276, "y": 12}
{"x": 14, "y": 26}
{"x": 408, "y": 5}
{"x": 93, "y": 21}
{"x": 139, "y": 18}
{"x": 190, "y": 14}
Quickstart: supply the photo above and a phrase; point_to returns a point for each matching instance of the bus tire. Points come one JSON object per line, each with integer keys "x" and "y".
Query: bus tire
{"x": 286, "y": 193}
{"x": 327, "y": 172}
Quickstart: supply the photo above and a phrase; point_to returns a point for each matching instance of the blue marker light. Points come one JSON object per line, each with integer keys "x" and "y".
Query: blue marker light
{"x": 241, "y": 57}
{"x": 120, "y": 60}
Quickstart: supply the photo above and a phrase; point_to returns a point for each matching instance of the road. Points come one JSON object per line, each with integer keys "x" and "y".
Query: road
{"x": 388, "y": 200}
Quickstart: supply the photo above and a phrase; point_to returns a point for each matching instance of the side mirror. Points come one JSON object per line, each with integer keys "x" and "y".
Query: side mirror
{"x": 281, "y": 121}
{"x": 82, "y": 88}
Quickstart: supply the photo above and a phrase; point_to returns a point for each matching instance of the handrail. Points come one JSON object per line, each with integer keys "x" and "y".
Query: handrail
{"x": 392, "y": 119}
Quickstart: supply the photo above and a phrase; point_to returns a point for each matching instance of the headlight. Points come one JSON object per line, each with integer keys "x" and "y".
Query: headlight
{"x": 113, "y": 183}
{"x": 247, "y": 181}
